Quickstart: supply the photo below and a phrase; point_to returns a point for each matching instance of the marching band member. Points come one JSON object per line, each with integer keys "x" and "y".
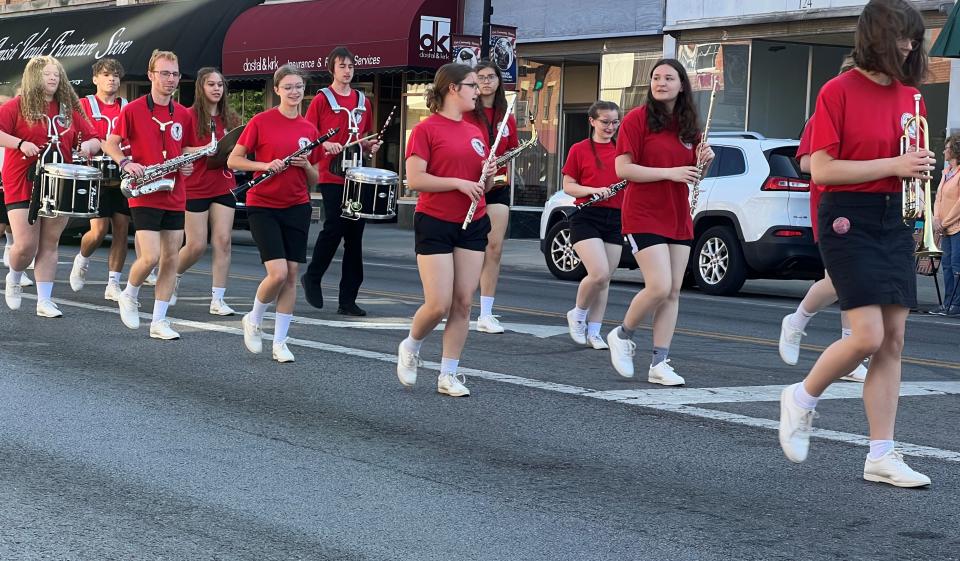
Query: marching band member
{"x": 866, "y": 247}
{"x": 208, "y": 191}
{"x": 487, "y": 114}
{"x": 279, "y": 208}
{"x": 103, "y": 109}
{"x": 445, "y": 159}
{"x": 590, "y": 170}
{"x": 324, "y": 115}
{"x": 46, "y": 96}
{"x": 656, "y": 155}
{"x": 5, "y": 96}
{"x": 157, "y": 128}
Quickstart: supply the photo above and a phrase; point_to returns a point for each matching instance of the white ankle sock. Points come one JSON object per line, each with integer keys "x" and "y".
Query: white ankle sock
{"x": 9, "y": 236}
{"x": 114, "y": 277}
{"x": 800, "y": 318}
{"x": 593, "y": 328}
{"x": 803, "y": 399}
{"x": 160, "y": 310}
{"x": 259, "y": 308}
{"x": 14, "y": 277}
{"x": 486, "y": 305}
{"x": 281, "y": 327}
{"x": 218, "y": 293}
{"x": 412, "y": 345}
{"x": 449, "y": 365}
{"x": 44, "y": 290}
{"x": 579, "y": 314}
{"x": 845, "y": 332}
{"x": 880, "y": 448}
{"x": 132, "y": 291}
{"x": 82, "y": 261}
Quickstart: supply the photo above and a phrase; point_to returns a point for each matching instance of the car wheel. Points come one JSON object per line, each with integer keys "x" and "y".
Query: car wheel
{"x": 562, "y": 260}
{"x": 719, "y": 266}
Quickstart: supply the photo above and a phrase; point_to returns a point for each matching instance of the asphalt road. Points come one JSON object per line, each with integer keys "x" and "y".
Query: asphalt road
{"x": 117, "y": 446}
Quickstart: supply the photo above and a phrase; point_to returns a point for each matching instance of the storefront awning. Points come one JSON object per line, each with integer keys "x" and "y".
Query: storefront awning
{"x": 948, "y": 42}
{"x": 382, "y": 35}
{"x": 193, "y": 29}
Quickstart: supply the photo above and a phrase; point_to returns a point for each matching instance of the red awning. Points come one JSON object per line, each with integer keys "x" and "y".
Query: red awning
{"x": 394, "y": 34}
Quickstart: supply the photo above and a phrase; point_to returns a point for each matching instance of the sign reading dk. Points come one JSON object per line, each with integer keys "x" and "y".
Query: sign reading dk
{"x": 434, "y": 37}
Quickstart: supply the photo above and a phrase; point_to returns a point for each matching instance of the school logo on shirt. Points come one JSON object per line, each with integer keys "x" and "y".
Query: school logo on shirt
{"x": 176, "y": 131}
{"x": 912, "y": 130}
{"x": 478, "y": 147}
{"x": 687, "y": 145}
{"x": 303, "y": 142}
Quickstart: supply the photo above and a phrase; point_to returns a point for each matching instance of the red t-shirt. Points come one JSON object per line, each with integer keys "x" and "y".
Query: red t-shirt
{"x": 581, "y": 166}
{"x": 659, "y": 207}
{"x": 206, "y": 183}
{"x": 138, "y": 128}
{"x": 109, "y": 113}
{"x": 451, "y": 149}
{"x": 815, "y": 190}
{"x": 858, "y": 119}
{"x": 320, "y": 115}
{"x": 273, "y": 136}
{"x": 508, "y": 141}
{"x": 17, "y": 187}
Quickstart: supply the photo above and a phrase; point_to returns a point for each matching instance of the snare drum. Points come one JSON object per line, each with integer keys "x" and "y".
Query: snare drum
{"x": 370, "y": 193}
{"x": 69, "y": 190}
{"x": 109, "y": 170}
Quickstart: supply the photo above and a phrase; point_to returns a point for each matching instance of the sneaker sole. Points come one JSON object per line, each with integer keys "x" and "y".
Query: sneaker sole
{"x": 664, "y": 383}
{"x": 52, "y": 316}
{"x": 163, "y": 337}
{"x": 882, "y": 479}
{"x": 490, "y": 331}
{"x": 283, "y": 361}
{"x": 441, "y": 392}
{"x": 213, "y": 313}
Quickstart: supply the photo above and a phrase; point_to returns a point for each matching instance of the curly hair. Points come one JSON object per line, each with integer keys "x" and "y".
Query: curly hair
{"x": 684, "y": 115}
{"x": 33, "y": 104}
{"x": 953, "y": 145}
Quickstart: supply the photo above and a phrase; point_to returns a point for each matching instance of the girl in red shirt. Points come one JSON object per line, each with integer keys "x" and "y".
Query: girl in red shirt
{"x": 209, "y": 200}
{"x": 657, "y": 155}
{"x": 446, "y": 157}
{"x": 46, "y": 95}
{"x": 279, "y": 208}
{"x": 866, "y": 247}
{"x": 590, "y": 171}
{"x": 488, "y": 113}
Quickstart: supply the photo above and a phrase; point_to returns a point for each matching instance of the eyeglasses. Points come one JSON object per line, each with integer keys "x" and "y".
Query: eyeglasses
{"x": 487, "y": 78}
{"x": 290, "y": 88}
{"x": 166, "y": 74}
{"x": 473, "y": 85}
{"x": 914, "y": 44}
{"x": 606, "y": 124}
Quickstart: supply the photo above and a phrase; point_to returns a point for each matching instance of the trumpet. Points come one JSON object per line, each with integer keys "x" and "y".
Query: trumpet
{"x": 916, "y": 192}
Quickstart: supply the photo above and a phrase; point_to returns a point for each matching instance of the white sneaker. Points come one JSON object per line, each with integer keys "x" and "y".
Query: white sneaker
{"x": 161, "y": 330}
{"x": 665, "y": 375}
{"x": 407, "y": 364}
{"x": 452, "y": 385}
{"x": 859, "y": 374}
{"x": 32, "y": 264}
{"x": 252, "y": 335}
{"x": 112, "y": 292}
{"x": 220, "y": 308}
{"x": 129, "y": 311}
{"x": 281, "y": 353}
{"x": 173, "y": 297}
{"x": 488, "y": 324}
{"x": 12, "y": 293}
{"x": 25, "y": 280}
{"x": 78, "y": 274}
{"x": 790, "y": 341}
{"x": 796, "y": 424}
{"x": 48, "y": 309}
{"x": 891, "y": 468}
{"x": 151, "y": 279}
{"x": 578, "y": 329}
{"x": 621, "y": 353}
{"x": 597, "y": 342}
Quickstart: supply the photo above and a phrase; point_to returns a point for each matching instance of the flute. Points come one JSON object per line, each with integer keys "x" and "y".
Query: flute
{"x": 491, "y": 158}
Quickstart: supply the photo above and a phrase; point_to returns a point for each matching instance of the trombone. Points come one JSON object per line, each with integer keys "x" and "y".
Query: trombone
{"x": 916, "y": 191}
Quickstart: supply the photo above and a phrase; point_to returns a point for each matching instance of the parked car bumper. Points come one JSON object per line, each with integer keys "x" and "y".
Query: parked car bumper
{"x": 788, "y": 257}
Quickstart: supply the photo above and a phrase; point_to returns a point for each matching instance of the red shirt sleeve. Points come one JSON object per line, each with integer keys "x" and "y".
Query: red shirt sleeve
{"x": 513, "y": 141}
{"x": 86, "y": 128}
{"x": 314, "y": 110}
{"x": 124, "y": 123}
{"x": 630, "y": 139}
{"x": 572, "y": 166}
{"x": 827, "y": 121}
{"x": 8, "y": 116}
{"x": 804, "y": 148}
{"x": 419, "y": 143}
{"x": 317, "y": 153}
{"x": 190, "y": 134}
{"x": 250, "y": 135}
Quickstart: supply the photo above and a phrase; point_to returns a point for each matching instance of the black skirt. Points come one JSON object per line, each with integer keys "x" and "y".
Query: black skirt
{"x": 867, "y": 249}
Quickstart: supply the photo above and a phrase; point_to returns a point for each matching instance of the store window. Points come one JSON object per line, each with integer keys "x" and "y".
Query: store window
{"x": 537, "y": 170}
{"x": 728, "y": 63}
{"x": 415, "y": 110}
{"x": 247, "y": 102}
{"x": 625, "y": 78}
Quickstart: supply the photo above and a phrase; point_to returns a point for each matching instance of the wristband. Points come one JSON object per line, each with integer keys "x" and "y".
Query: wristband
{"x": 124, "y": 162}
{"x": 19, "y": 144}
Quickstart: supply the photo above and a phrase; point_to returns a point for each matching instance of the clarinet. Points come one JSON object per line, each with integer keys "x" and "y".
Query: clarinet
{"x": 286, "y": 163}
{"x": 597, "y": 197}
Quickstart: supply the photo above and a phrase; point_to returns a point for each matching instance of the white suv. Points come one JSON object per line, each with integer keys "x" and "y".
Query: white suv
{"x": 752, "y": 219}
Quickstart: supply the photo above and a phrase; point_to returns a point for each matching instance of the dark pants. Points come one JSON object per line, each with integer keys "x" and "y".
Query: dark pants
{"x": 335, "y": 229}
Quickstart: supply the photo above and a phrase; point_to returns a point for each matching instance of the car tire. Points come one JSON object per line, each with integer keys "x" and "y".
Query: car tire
{"x": 718, "y": 263}
{"x": 562, "y": 260}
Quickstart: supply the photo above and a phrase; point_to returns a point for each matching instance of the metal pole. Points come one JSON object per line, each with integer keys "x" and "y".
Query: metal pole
{"x": 485, "y": 33}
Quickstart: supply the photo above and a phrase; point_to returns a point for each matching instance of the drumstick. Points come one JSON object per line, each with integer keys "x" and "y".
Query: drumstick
{"x": 359, "y": 140}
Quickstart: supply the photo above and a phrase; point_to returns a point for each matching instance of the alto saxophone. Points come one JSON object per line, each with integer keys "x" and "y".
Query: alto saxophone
{"x": 154, "y": 179}
{"x": 512, "y": 154}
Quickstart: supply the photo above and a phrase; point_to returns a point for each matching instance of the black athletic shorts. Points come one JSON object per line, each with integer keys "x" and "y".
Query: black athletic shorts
{"x": 643, "y": 241}
{"x": 434, "y": 236}
{"x": 156, "y": 219}
{"x": 3, "y": 210}
{"x": 203, "y": 205}
{"x": 112, "y": 202}
{"x": 281, "y": 233}
{"x": 596, "y": 222}
{"x": 498, "y": 196}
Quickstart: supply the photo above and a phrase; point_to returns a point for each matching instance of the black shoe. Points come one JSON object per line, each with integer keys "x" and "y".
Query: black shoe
{"x": 952, "y": 312}
{"x": 312, "y": 292}
{"x": 351, "y": 310}
{"x": 938, "y": 311}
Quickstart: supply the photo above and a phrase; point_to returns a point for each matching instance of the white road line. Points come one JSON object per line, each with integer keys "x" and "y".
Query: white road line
{"x": 648, "y": 399}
